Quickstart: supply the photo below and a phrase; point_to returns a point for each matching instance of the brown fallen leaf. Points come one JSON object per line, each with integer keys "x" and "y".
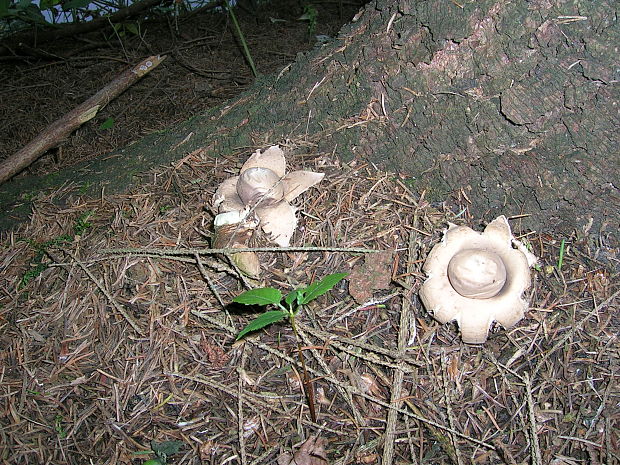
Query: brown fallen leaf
{"x": 374, "y": 274}
{"x": 311, "y": 452}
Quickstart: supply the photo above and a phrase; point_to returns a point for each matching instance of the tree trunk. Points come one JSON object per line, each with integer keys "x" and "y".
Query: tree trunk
{"x": 500, "y": 107}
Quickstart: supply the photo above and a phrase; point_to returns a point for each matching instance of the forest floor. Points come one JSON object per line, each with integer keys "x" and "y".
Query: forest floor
{"x": 118, "y": 333}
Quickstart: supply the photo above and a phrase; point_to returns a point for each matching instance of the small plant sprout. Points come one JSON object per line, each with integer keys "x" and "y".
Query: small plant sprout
{"x": 477, "y": 278}
{"x": 561, "y": 257}
{"x": 287, "y": 307}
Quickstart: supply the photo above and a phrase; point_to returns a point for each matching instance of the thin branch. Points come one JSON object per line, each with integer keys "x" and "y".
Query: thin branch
{"x": 353, "y": 390}
{"x": 448, "y": 399}
{"x": 576, "y": 328}
{"x": 537, "y": 457}
{"x": 72, "y": 29}
{"x": 346, "y": 395}
{"x": 240, "y": 420}
{"x": 226, "y": 251}
{"x": 399, "y": 374}
{"x": 105, "y": 292}
{"x": 207, "y": 278}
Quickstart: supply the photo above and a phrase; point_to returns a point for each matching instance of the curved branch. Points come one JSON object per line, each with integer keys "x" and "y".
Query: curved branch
{"x": 33, "y": 36}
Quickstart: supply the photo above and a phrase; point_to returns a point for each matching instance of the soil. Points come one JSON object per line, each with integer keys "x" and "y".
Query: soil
{"x": 205, "y": 66}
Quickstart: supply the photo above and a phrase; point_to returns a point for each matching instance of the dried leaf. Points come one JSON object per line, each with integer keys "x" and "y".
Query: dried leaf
{"x": 311, "y": 452}
{"x": 214, "y": 353}
{"x": 374, "y": 274}
{"x": 248, "y": 263}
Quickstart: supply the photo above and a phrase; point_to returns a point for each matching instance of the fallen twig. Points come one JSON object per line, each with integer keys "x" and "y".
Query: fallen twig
{"x": 61, "y": 128}
{"x": 227, "y": 251}
{"x": 105, "y": 292}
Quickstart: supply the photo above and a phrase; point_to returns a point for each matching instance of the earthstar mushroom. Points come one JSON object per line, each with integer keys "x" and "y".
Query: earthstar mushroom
{"x": 477, "y": 278}
{"x": 262, "y": 191}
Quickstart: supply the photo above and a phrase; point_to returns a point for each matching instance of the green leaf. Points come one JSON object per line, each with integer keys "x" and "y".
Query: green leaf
{"x": 75, "y": 4}
{"x": 33, "y": 13}
{"x": 262, "y": 296}
{"x": 324, "y": 285}
{"x": 107, "y": 124}
{"x": 265, "y": 319}
{"x": 292, "y": 296}
{"x": 4, "y": 8}
{"x": 47, "y": 4}
{"x": 166, "y": 447}
{"x": 132, "y": 28}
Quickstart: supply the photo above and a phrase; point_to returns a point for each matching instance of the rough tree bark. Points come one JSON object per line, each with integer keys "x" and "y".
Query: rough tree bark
{"x": 501, "y": 107}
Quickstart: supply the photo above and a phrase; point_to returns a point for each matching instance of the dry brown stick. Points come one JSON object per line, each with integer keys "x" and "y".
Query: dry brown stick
{"x": 576, "y": 328}
{"x": 207, "y": 278}
{"x": 240, "y": 420}
{"x": 72, "y": 29}
{"x": 399, "y": 374}
{"x": 105, "y": 292}
{"x": 252, "y": 400}
{"x": 449, "y": 399}
{"x": 204, "y": 251}
{"x": 344, "y": 393}
{"x": 61, "y": 128}
{"x": 536, "y": 454}
{"x": 341, "y": 343}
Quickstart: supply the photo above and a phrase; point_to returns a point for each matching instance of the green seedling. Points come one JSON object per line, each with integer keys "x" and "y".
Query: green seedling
{"x": 107, "y": 124}
{"x": 82, "y": 223}
{"x": 287, "y": 307}
{"x": 310, "y": 14}
{"x": 59, "y": 428}
{"x": 162, "y": 451}
{"x": 37, "y": 266}
{"x": 561, "y": 257}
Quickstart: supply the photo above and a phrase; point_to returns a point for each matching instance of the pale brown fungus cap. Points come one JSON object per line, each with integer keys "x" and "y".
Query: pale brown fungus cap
{"x": 477, "y": 278}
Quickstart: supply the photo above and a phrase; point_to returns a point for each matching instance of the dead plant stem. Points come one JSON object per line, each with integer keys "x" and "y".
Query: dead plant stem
{"x": 206, "y": 251}
{"x": 240, "y": 419}
{"x": 399, "y": 374}
{"x": 578, "y": 327}
{"x": 307, "y": 382}
{"x": 448, "y": 399}
{"x": 206, "y": 277}
{"x": 346, "y": 395}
